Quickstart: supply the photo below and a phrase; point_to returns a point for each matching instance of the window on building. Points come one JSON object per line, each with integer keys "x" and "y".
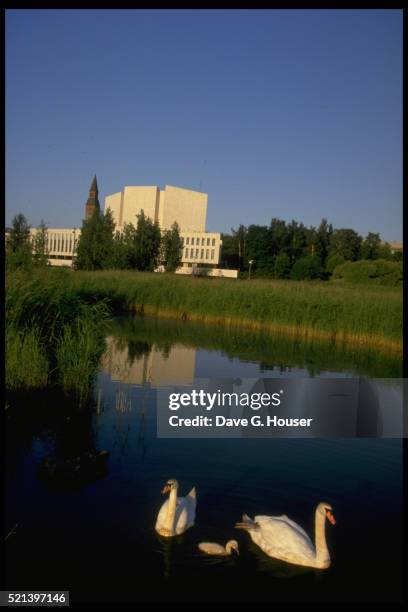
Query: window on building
{"x": 191, "y": 253}
{"x": 206, "y": 253}
{"x": 187, "y": 240}
{"x": 213, "y": 241}
{"x": 212, "y": 253}
{"x": 192, "y": 241}
{"x": 208, "y": 242}
{"x": 202, "y": 253}
{"x": 196, "y": 253}
{"x": 202, "y": 241}
{"x": 186, "y": 254}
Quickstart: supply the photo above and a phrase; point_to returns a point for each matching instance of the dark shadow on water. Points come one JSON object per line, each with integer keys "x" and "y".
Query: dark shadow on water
{"x": 98, "y": 539}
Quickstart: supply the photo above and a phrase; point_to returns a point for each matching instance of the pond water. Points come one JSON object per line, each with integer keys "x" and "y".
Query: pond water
{"x": 95, "y": 535}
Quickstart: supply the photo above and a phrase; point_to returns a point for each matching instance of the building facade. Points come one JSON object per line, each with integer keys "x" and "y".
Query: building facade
{"x": 164, "y": 206}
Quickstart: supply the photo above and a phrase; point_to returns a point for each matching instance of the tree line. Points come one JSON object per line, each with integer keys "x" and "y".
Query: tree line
{"x": 292, "y": 250}
{"x": 281, "y": 250}
{"x": 141, "y": 246}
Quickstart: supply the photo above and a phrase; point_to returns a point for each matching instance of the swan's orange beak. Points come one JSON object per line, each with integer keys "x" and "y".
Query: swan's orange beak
{"x": 330, "y": 517}
{"x": 165, "y": 489}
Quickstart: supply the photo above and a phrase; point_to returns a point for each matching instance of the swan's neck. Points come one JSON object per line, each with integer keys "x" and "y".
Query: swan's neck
{"x": 322, "y": 553}
{"x": 171, "y": 510}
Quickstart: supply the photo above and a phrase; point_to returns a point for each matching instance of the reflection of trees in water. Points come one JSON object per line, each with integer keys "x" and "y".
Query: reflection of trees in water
{"x": 123, "y": 408}
{"x": 164, "y": 349}
{"x": 137, "y": 349}
{"x": 272, "y": 350}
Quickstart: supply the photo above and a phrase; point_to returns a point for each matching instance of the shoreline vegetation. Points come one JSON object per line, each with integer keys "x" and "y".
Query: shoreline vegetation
{"x": 355, "y": 315}
{"x": 53, "y": 337}
{"x": 56, "y": 318}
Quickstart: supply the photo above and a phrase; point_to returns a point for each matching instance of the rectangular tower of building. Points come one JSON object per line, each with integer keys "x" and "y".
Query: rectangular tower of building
{"x": 187, "y": 207}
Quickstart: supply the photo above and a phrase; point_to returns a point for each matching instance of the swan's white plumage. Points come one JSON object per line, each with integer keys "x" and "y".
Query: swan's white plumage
{"x": 282, "y": 538}
{"x": 212, "y": 548}
{"x": 185, "y": 513}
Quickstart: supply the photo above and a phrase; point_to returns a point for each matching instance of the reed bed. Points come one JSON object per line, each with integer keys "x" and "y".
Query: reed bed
{"x": 53, "y": 337}
{"x": 359, "y": 315}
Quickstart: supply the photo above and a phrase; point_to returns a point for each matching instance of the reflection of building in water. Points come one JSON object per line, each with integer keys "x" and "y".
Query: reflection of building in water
{"x": 175, "y": 367}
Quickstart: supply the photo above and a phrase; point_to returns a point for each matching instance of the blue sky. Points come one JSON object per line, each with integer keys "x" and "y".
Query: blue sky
{"x": 282, "y": 113}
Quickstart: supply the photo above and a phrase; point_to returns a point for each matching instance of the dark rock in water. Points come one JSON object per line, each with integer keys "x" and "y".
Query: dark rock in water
{"x": 74, "y": 472}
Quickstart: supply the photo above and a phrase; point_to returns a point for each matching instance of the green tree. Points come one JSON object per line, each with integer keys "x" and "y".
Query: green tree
{"x": 229, "y": 251}
{"x": 171, "y": 248}
{"x": 40, "y": 246}
{"x": 95, "y": 249}
{"x": 127, "y": 246}
{"x": 282, "y": 266}
{"x": 18, "y": 244}
{"x": 297, "y": 240}
{"x": 240, "y": 236}
{"x": 147, "y": 242}
{"x": 119, "y": 251}
{"x": 307, "y": 268}
{"x": 258, "y": 246}
{"x": 321, "y": 243}
{"x": 333, "y": 261}
{"x": 370, "y": 247}
{"x": 346, "y": 242}
{"x": 279, "y": 236}
{"x": 384, "y": 251}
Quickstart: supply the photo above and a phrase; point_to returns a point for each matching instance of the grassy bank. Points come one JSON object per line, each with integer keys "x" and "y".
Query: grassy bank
{"x": 338, "y": 312}
{"x": 53, "y": 336}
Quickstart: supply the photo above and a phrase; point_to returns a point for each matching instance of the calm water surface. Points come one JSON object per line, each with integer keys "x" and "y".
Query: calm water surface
{"x": 97, "y": 538}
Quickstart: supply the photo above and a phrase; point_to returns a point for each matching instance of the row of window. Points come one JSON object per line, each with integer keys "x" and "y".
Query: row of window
{"x": 61, "y": 244}
{"x": 198, "y": 241}
{"x": 196, "y": 256}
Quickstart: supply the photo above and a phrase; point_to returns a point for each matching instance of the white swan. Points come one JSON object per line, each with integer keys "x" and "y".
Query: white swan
{"x": 177, "y": 514}
{"x": 211, "y": 548}
{"x": 282, "y": 538}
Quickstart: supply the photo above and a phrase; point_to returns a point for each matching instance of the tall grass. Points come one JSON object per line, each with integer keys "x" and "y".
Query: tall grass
{"x": 27, "y": 365}
{"x": 79, "y": 349}
{"x": 334, "y": 311}
{"x": 53, "y": 336}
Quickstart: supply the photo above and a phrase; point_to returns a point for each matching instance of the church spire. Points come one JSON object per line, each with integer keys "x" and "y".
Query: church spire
{"x": 94, "y": 185}
{"x": 92, "y": 202}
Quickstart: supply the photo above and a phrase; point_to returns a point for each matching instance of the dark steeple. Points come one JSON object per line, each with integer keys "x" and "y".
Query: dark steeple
{"x": 94, "y": 185}
{"x": 92, "y": 202}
